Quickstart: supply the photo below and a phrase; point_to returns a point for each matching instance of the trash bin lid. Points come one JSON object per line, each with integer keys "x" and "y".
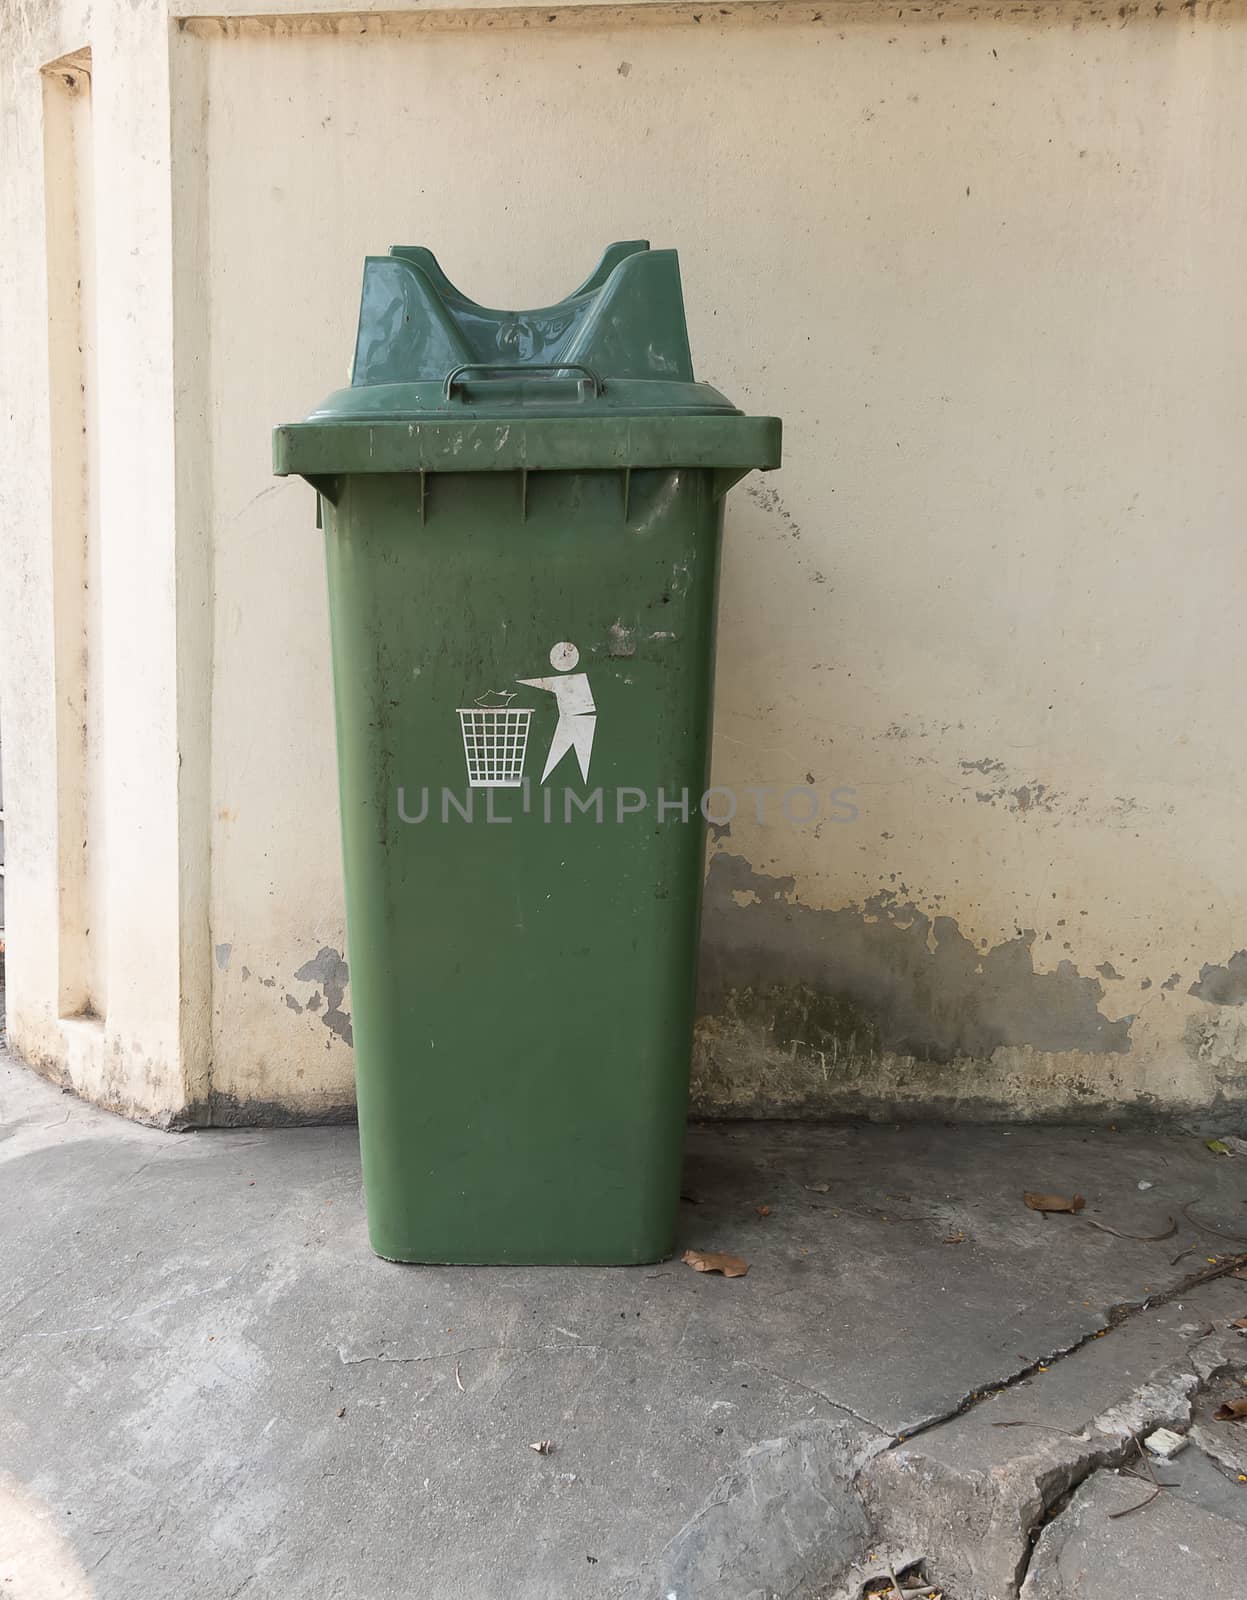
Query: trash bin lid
{"x": 603, "y": 378}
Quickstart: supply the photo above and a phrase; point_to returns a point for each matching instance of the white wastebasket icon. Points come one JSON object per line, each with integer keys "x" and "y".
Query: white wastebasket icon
{"x": 495, "y": 742}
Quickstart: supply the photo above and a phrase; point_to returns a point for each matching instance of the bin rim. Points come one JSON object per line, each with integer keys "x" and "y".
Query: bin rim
{"x": 733, "y": 442}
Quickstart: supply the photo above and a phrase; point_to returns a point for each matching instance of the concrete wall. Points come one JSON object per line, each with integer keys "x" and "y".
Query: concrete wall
{"x": 88, "y": 642}
{"x": 988, "y": 269}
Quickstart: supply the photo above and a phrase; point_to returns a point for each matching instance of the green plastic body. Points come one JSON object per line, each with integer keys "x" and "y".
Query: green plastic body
{"x": 522, "y": 989}
{"x": 522, "y": 942}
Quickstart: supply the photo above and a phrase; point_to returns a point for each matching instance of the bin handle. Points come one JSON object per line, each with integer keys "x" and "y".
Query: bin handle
{"x": 455, "y": 381}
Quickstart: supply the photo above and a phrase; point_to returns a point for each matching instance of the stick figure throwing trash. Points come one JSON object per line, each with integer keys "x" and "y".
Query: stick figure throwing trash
{"x": 577, "y": 712}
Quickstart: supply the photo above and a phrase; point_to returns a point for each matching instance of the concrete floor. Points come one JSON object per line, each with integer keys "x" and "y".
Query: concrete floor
{"x": 210, "y": 1387}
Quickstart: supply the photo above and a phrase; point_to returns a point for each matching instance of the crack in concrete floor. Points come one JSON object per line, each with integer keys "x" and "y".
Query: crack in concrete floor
{"x": 1012, "y": 1496}
{"x": 1117, "y": 1316}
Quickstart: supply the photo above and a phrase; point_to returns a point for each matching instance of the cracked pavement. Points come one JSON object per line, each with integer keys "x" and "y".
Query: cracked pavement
{"x": 210, "y": 1386}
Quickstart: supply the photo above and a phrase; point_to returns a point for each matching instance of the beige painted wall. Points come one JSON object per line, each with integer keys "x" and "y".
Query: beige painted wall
{"x": 94, "y": 929}
{"x": 988, "y": 271}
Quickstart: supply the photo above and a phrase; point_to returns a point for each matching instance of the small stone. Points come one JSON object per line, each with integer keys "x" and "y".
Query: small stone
{"x": 1144, "y": 1184}
{"x": 1165, "y": 1443}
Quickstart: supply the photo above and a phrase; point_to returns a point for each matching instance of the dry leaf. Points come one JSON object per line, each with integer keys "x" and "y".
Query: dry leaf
{"x": 1232, "y": 1411}
{"x": 543, "y": 1447}
{"x": 1239, "y": 1322}
{"x": 1054, "y": 1202}
{"x": 817, "y": 1188}
{"x": 955, "y": 1238}
{"x": 715, "y": 1261}
{"x": 763, "y": 1211}
{"x": 341, "y": 1412}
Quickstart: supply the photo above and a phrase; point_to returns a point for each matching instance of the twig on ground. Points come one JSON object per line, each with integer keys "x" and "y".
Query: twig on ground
{"x": 1048, "y": 1427}
{"x": 1113, "y": 1515}
{"x": 908, "y": 1592}
{"x": 1131, "y": 1473}
{"x": 1157, "y": 1485}
{"x": 1218, "y": 1269}
{"x": 878, "y": 1214}
{"x": 459, "y": 1380}
{"x": 1207, "y": 1227}
{"x": 1142, "y": 1238}
{"x": 1144, "y": 1457}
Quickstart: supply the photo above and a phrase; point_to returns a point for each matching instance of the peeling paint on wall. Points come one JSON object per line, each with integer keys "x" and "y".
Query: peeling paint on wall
{"x": 329, "y": 970}
{"x": 1217, "y": 1042}
{"x": 888, "y": 975}
{"x": 1223, "y": 986}
{"x": 879, "y": 1008}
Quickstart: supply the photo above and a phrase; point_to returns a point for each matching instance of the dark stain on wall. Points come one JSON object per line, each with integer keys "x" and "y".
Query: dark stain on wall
{"x": 1223, "y": 986}
{"x": 329, "y": 970}
{"x": 221, "y": 1110}
{"x": 884, "y": 976}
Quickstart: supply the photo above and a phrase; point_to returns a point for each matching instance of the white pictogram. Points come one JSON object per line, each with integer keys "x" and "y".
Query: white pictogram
{"x": 577, "y": 712}
{"x": 495, "y": 737}
{"x": 495, "y": 742}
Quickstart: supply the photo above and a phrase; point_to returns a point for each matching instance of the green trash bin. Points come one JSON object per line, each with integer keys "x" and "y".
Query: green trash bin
{"x": 522, "y": 516}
